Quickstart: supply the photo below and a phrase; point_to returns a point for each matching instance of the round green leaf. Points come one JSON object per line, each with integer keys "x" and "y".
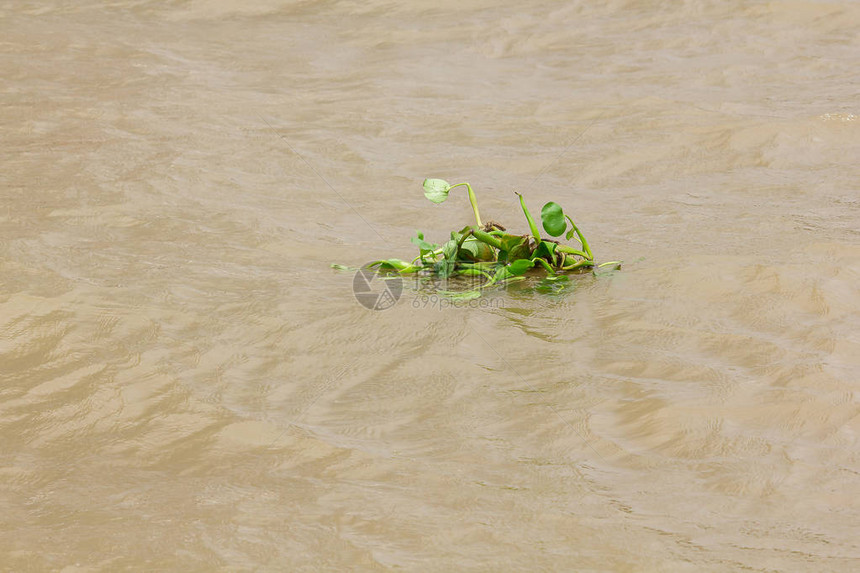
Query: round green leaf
{"x": 553, "y": 219}
{"x": 436, "y": 189}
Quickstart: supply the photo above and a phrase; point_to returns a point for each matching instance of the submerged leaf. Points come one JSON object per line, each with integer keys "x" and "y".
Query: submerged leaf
{"x": 393, "y": 265}
{"x": 436, "y": 189}
{"x": 614, "y": 266}
{"x": 556, "y": 278}
{"x": 519, "y": 267}
{"x": 552, "y": 217}
{"x": 458, "y": 296}
{"x": 555, "y": 284}
{"x": 473, "y": 272}
{"x": 515, "y": 269}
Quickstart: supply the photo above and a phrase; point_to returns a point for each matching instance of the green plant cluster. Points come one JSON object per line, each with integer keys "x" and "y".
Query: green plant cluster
{"x": 490, "y": 253}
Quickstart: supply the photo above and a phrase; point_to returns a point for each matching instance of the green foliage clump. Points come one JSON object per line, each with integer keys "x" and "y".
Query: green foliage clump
{"x": 488, "y": 252}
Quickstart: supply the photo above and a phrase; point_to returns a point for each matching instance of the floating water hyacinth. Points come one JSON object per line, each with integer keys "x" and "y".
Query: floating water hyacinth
{"x": 489, "y": 253}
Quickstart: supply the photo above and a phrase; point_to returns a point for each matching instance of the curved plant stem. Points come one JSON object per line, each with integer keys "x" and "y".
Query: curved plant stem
{"x": 463, "y": 240}
{"x": 571, "y": 251}
{"x": 435, "y": 255}
{"x": 578, "y": 265}
{"x": 581, "y": 237}
{"x": 507, "y": 280}
{"x": 472, "y": 200}
{"x": 606, "y": 264}
{"x": 546, "y": 265}
{"x": 532, "y": 225}
{"x": 476, "y": 273}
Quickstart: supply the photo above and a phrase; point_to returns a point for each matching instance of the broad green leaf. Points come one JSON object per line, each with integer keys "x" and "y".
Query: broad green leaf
{"x": 553, "y": 219}
{"x": 508, "y": 242}
{"x": 449, "y": 249}
{"x": 436, "y": 189}
{"x": 475, "y": 250}
{"x": 445, "y": 267}
{"x": 519, "y": 267}
{"x": 423, "y": 245}
{"x": 515, "y": 269}
{"x": 546, "y": 250}
{"x": 515, "y": 247}
{"x": 521, "y": 251}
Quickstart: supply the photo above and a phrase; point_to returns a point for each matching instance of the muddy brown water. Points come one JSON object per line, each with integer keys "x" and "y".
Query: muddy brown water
{"x": 186, "y": 385}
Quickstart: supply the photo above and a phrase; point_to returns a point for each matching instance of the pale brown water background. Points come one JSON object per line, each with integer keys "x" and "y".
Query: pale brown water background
{"x": 185, "y": 384}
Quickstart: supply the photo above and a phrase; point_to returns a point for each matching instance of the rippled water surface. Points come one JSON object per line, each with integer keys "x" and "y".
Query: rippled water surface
{"x": 186, "y": 384}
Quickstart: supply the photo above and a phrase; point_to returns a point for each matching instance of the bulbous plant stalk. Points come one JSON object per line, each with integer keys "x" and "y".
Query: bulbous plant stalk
{"x": 487, "y": 238}
{"x": 532, "y": 225}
